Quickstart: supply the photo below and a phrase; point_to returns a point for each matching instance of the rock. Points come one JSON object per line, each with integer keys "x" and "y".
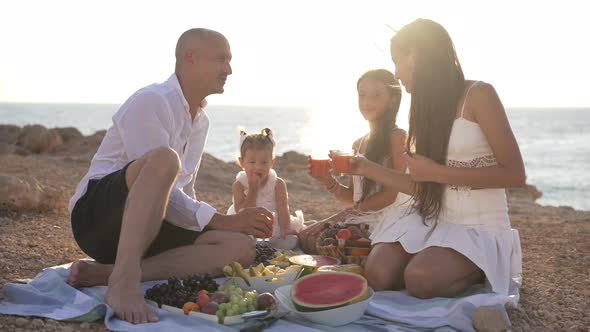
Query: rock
{"x": 37, "y": 323}
{"x": 39, "y": 139}
{"x": 80, "y": 145}
{"x": 69, "y": 134}
{"x": 528, "y": 192}
{"x": 9, "y": 134}
{"x": 488, "y": 319}
{"x": 6, "y": 148}
{"x": 66, "y": 329}
{"x": 26, "y": 193}
{"x": 20, "y": 322}
{"x": 85, "y": 325}
{"x": 292, "y": 159}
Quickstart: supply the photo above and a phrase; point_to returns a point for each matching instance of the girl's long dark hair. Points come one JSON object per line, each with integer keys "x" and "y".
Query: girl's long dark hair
{"x": 379, "y": 143}
{"x": 438, "y": 85}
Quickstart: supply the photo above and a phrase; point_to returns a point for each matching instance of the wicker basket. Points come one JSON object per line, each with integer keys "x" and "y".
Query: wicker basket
{"x": 347, "y": 251}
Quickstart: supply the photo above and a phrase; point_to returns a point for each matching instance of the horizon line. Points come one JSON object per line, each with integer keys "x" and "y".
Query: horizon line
{"x": 253, "y": 105}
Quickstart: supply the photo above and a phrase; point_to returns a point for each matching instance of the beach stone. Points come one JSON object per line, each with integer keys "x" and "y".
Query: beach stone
{"x": 24, "y": 192}
{"x": 488, "y": 319}
{"x": 20, "y": 322}
{"x": 81, "y": 145}
{"x": 9, "y": 134}
{"x": 39, "y": 139}
{"x": 69, "y": 134}
{"x": 20, "y": 192}
{"x": 6, "y": 148}
{"x": 66, "y": 329}
{"x": 37, "y": 323}
{"x": 528, "y": 193}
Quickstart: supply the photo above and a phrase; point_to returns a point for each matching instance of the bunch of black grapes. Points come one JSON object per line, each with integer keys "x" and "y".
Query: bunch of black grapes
{"x": 264, "y": 252}
{"x": 176, "y": 292}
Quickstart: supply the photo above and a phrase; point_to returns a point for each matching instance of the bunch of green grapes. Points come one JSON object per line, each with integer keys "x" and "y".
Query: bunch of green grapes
{"x": 239, "y": 302}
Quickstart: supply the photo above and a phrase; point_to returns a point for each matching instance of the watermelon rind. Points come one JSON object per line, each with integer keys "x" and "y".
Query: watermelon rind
{"x": 334, "y": 287}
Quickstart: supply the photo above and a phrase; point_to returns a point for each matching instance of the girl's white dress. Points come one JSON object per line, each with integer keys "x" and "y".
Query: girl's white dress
{"x": 266, "y": 198}
{"x": 472, "y": 222}
{"x": 372, "y": 218}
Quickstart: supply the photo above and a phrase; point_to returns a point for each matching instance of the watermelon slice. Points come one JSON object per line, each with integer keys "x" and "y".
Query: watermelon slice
{"x": 328, "y": 290}
{"x": 311, "y": 263}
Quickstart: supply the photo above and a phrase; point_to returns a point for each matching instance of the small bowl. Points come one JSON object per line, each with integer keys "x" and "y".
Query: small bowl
{"x": 262, "y": 284}
{"x": 332, "y": 317}
{"x": 288, "y": 243}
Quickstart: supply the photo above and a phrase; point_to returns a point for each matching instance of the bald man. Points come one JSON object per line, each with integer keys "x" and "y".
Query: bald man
{"x": 135, "y": 211}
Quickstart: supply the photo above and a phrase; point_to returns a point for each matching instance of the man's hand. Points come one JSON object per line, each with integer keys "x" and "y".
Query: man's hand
{"x": 255, "y": 221}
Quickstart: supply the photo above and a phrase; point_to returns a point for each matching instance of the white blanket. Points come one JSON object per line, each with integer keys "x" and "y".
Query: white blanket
{"x": 48, "y": 295}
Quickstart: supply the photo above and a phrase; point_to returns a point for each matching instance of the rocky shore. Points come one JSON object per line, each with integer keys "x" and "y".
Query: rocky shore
{"x": 40, "y": 167}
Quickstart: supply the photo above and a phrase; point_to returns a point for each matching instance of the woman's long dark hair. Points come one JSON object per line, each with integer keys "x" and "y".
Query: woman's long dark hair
{"x": 379, "y": 143}
{"x": 437, "y": 87}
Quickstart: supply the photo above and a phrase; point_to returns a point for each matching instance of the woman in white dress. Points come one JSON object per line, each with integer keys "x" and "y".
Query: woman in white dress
{"x": 461, "y": 154}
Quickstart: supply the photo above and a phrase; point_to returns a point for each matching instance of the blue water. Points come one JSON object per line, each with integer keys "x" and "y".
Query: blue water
{"x": 554, "y": 142}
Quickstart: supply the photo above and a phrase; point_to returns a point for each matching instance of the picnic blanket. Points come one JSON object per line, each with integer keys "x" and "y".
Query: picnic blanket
{"x": 48, "y": 295}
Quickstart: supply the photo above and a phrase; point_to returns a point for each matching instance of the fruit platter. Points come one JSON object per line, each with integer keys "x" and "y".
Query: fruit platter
{"x": 202, "y": 297}
{"x": 317, "y": 288}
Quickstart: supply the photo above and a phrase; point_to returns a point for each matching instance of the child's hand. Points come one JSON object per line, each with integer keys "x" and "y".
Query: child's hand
{"x": 254, "y": 181}
{"x": 421, "y": 168}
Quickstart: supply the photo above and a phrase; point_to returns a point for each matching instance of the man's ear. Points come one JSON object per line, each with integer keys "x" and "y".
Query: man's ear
{"x": 188, "y": 56}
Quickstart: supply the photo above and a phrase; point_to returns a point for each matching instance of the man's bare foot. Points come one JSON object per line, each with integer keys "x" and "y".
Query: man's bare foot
{"x": 125, "y": 296}
{"x": 87, "y": 274}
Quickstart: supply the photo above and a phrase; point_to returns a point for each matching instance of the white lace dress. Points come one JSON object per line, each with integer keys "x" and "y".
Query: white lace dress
{"x": 472, "y": 222}
{"x": 266, "y": 198}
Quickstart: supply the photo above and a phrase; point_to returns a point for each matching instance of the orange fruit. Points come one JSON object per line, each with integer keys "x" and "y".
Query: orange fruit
{"x": 343, "y": 234}
{"x": 190, "y": 306}
{"x": 202, "y": 299}
{"x": 363, "y": 239}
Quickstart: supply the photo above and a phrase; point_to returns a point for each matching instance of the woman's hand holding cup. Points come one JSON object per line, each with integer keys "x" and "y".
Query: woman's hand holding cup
{"x": 319, "y": 169}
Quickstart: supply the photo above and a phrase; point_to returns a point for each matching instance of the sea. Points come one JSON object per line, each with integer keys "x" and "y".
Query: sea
{"x": 554, "y": 142}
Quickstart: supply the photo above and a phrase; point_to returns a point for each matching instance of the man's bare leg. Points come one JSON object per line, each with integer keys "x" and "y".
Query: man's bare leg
{"x": 210, "y": 252}
{"x": 150, "y": 180}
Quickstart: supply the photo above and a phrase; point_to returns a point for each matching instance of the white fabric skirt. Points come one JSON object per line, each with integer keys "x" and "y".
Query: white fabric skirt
{"x": 473, "y": 222}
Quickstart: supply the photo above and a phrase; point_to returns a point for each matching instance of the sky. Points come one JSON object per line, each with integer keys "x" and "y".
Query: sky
{"x": 292, "y": 53}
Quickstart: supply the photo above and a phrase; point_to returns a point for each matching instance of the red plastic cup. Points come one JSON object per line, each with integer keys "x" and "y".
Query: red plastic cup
{"x": 341, "y": 161}
{"x": 319, "y": 167}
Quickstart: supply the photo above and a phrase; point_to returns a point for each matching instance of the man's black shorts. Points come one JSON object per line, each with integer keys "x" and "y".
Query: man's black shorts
{"x": 97, "y": 218}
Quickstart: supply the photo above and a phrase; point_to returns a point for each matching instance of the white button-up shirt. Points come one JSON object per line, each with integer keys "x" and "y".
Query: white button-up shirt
{"x": 157, "y": 116}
